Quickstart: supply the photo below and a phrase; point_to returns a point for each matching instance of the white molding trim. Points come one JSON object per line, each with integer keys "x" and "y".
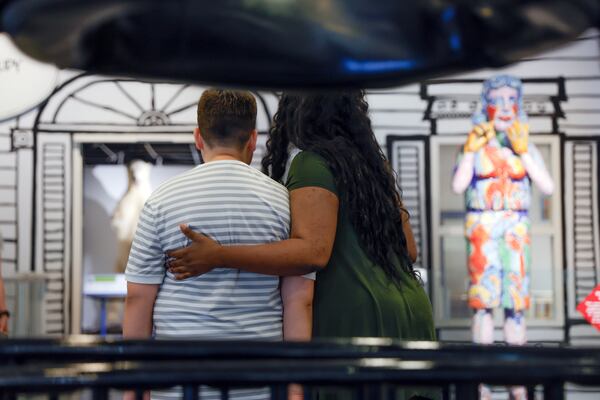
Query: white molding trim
{"x": 77, "y": 242}
{"x": 133, "y": 137}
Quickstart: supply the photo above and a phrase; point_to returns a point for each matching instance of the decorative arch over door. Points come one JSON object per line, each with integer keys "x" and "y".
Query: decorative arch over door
{"x": 87, "y": 103}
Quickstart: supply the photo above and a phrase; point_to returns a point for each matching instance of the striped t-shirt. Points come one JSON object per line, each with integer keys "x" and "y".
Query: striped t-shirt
{"x": 234, "y": 204}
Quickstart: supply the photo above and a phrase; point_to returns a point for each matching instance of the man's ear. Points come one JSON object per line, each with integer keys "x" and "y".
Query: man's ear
{"x": 198, "y": 139}
{"x": 252, "y": 141}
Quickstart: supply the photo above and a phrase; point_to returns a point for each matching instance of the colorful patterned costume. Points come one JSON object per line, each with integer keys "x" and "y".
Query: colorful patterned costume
{"x": 497, "y": 229}
{"x": 498, "y": 199}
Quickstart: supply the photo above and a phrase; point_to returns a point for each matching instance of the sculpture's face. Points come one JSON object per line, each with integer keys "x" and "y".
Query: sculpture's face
{"x": 502, "y": 107}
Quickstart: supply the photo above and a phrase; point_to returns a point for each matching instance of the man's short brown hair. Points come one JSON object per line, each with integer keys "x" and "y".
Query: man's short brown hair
{"x": 226, "y": 117}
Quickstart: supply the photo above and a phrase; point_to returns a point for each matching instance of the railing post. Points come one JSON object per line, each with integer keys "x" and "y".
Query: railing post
{"x": 368, "y": 391}
{"x": 190, "y": 392}
{"x": 99, "y": 393}
{"x": 224, "y": 393}
{"x": 358, "y": 393}
{"x": 309, "y": 392}
{"x": 279, "y": 392}
{"x": 373, "y": 391}
{"x": 531, "y": 392}
{"x": 391, "y": 392}
{"x": 554, "y": 391}
{"x": 467, "y": 391}
{"x": 446, "y": 392}
{"x": 8, "y": 396}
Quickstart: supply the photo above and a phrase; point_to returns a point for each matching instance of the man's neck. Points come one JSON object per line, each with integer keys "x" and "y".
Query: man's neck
{"x": 223, "y": 154}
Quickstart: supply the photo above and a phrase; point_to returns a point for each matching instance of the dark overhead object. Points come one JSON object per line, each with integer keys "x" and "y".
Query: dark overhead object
{"x": 290, "y": 43}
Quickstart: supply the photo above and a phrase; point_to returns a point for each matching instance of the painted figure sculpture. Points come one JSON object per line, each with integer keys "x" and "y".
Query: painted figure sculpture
{"x": 495, "y": 171}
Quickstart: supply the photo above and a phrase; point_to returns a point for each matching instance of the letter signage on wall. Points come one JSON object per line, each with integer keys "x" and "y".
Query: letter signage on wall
{"x": 24, "y": 82}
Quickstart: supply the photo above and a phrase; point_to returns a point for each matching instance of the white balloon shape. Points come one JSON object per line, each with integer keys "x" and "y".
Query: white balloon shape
{"x": 24, "y": 82}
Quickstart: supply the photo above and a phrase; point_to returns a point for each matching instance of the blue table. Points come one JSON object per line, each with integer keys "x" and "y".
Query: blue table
{"x": 104, "y": 287}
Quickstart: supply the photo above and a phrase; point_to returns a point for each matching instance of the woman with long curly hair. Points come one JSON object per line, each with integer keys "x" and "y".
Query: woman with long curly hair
{"x": 347, "y": 223}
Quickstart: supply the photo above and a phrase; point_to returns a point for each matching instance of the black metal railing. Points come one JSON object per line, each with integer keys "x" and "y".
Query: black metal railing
{"x": 368, "y": 368}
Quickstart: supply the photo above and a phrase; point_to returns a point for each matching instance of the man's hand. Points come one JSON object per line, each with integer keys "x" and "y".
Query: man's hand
{"x": 200, "y": 257}
{"x": 479, "y": 136}
{"x": 518, "y": 134}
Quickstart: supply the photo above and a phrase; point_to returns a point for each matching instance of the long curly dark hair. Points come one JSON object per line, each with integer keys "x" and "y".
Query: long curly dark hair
{"x": 275, "y": 159}
{"x": 337, "y": 127}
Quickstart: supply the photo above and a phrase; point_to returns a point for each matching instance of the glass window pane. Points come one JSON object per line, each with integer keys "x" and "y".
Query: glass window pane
{"x": 454, "y": 277}
{"x": 452, "y": 205}
{"x": 451, "y": 300}
{"x": 543, "y": 303}
{"x": 540, "y": 210}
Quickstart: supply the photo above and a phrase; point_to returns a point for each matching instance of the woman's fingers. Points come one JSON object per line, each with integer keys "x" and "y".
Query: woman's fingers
{"x": 179, "y": 270}
{"x": 190, "y": 261}
{"x": 178, "y": 253}
{"x": 176, "y": 262}
{"x": 182, "y": 276}
{"x": 193, "y": 236}
{"x": 190, "y": 234}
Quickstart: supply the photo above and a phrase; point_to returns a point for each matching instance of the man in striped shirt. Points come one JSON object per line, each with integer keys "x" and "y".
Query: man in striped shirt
{"x": 233, "y": 203}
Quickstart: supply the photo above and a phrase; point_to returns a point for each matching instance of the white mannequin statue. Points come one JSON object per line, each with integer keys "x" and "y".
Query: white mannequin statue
{"x": 125, "y": 217}
{"x": 124, "y": 222}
